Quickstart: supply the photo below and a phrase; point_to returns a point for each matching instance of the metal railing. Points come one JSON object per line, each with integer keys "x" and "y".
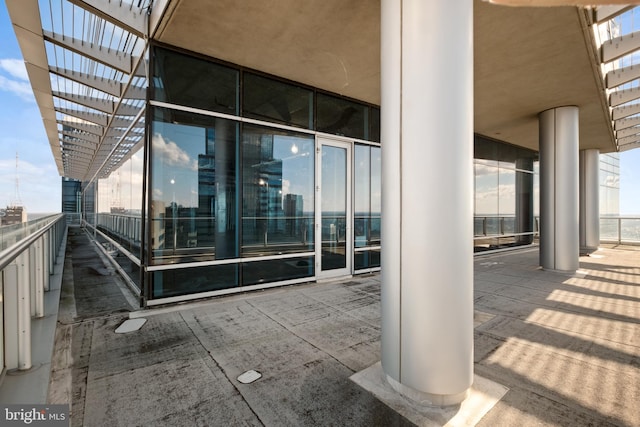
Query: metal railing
{"x": 620, "y": 229}
{"x": 27, "y": 261}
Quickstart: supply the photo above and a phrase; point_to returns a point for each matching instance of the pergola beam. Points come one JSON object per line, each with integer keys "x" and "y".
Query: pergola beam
{"x": 83, "y": 126}
{"x": 103, "y": 105}
{"x": 630, "y": 131}
{"x": 621, "y": 76}
{"x": 109, "y": 57}
{"x": 620, "y": 46}
{"x": 625, "y": 123}
{"x": 620, "y": 97}
{"x": 97, "y": 118}
{"x": 104, "y": 85}
{"x": 118, "y": 13}
{"x": 625, "y": 111}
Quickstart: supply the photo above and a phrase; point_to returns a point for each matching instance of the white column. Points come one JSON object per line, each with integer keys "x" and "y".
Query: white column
{"x": 427, "y": 187}
{"x": 559, "y": 239}
{"x": 589, "y": 200}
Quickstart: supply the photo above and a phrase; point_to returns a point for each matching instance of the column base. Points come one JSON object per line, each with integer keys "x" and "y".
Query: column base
{"x": 427, "y": 399}
{"x": 482, "y": 397}
{"x": 588, "y": 250}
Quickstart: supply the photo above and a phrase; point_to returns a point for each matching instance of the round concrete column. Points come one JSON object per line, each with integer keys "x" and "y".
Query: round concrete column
{"x": 589, "y": 200}
{"x": 559, "y": 217}
{"x": 427, "y": 187}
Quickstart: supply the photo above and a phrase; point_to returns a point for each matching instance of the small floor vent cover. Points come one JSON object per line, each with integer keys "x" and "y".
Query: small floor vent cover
{"x": 249, "y": 377}
{"x": 130, "y": 325}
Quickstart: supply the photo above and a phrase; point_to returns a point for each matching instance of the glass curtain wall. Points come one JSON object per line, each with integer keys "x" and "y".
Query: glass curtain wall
{"x": 505, "y": 195}
{"x": 610, "y": 196}
{"x": 231, "y": 193}
{"x": 89, "y": 203}
{"x": 367, "y": 206}
{"x": 119, "y": 204}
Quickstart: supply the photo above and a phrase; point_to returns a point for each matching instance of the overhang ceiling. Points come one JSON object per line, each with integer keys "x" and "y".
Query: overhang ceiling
{"x": 527, "y": 60}
{"x": 86, "y": 61}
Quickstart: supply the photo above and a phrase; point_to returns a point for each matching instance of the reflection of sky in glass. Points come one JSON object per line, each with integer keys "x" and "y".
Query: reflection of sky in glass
{"x": 175, "y": 166}
{"x": 123, "y": 187}
{"x": 361, "y": 174}
{"x": 297, "y": 167}
{"x": 495, "y": 190}
{"x": 334, "y": 170}
{"x": 175, "y": 169}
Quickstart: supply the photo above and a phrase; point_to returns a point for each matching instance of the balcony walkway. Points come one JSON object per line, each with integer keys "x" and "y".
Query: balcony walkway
{"x": 566, "y": 346}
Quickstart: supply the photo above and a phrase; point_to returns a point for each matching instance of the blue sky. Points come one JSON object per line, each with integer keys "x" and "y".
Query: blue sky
{"x": 39, "y": 183}
{"x": 23, "y": 133}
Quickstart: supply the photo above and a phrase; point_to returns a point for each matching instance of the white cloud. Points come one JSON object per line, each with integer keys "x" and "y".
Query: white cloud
{"x": 37, "y": 188}
{"x": 171, "y": 154}
{"x": 15, "y": 67}
{"x": 22, "y": 89}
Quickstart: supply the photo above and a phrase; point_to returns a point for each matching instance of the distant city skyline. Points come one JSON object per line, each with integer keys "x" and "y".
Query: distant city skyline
{"x": 39, "y": 183}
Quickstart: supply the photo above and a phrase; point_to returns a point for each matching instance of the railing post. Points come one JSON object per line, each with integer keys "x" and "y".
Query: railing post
{"x": 46, "y": 265}
{"x": 619, "y": 230}
{"x": 29, "y": 269}
{"x": 11, "y": 310}
{"x": 37, "y": 268}
{"x": 50, "y": 239}
{"x": 24, "y": 312}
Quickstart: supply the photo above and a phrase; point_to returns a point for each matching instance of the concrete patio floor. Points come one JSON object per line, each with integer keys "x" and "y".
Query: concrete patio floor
{"x": 567, "y": 347}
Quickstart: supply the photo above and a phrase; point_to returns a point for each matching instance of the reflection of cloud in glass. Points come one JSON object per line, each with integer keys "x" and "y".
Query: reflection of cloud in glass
{"x": 171, "y": 154}
{"x": 485, "y": 169}
{"x": 496, "y": 200}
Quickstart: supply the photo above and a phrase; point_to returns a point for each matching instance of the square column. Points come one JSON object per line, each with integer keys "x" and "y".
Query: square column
{"x": 589, "y": 200}
{"x": 559, "y": 218}
{"x": 427, "y": 207}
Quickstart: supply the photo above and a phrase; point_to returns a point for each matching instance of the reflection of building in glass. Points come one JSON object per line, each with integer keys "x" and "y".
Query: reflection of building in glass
{"x": 263, "y": 184}
{"x": 293, "y": 207}
{"x": 206, "y": 198}
{"x": 71, "y": 195}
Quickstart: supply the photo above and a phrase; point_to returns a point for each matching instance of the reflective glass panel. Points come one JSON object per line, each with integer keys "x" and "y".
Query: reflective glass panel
{"x": 507, "y": 200}
{"x": 193, "y": 186}
{"x": 362, "y": 195}
{"x": 340, "y": 116}
{"x": 376, "y": 202}
{"x": 374, "y": 126}
{"x": 278, "y": 191}
{"x": 275, "y": 101}
{"x": 367, "y": 198}
{"x": 486, "y": 200}
{"x": 191, "y": 280}
{"x": 256, "y": 272}
{"x": 194, "y": 82}
{"x": 334, "y": 208}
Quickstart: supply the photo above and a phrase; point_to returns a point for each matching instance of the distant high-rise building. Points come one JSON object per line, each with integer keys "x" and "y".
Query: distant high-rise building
{"x": 13, "y": 215}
